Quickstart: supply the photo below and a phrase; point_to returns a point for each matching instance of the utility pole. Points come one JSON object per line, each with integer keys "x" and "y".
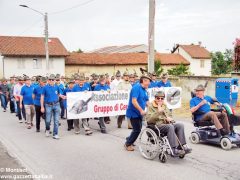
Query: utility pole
{"x": 151, "y": 52}
{"x": 46, "y": 41}
{"x": 45, "y": 33}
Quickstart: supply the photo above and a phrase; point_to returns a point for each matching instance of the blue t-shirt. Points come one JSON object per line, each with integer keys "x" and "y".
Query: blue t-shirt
{"x": 162, "y": 84}
{"x": 87, "y": 84}
{"x": 37, "y": 92}
{"x": 66, "y": 90}
{"x": 153, "y": 84}
{"x": 141, "y": 95}
{"x": 204, "y": 108}
{"x": 35, "y": 84}
{"x": 50, "y": 93}
{"x": 77, "y": 88}
{"x": 61, "y": 88}
{"x": 27, "y": 92}
{"x": 100, "y": 87}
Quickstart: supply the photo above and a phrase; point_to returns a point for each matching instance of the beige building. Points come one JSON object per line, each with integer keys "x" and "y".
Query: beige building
{"x": 26, "y": 55}
{"x": 198, "y": 56}
{"x": 101, "y": 63}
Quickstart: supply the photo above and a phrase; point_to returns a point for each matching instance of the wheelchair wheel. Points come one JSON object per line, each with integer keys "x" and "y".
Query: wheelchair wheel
{"x": 163, "y": 157}
{"x": 226, "y": 144}
{"x": 181, "y": 156}
{"x": 148, "y": 144}
{"x": 194, "y": 138}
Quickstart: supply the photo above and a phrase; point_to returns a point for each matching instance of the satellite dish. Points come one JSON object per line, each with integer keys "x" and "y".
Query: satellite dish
{"x": 173, "y": 96}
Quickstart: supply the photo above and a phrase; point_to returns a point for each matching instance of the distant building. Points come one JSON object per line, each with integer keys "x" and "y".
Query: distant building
{"x": 139, "y": 48}
{"x": 26, "y": 55}
{"x": 102, "y": 63}
{"x": 198, "y": 56}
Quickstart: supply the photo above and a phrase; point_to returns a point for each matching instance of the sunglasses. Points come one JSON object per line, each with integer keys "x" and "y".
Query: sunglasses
{"x": 51, "y": 79}
{"x": 160, "y": 98}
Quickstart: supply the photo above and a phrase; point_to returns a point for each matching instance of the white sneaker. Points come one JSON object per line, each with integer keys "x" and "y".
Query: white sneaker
{"x": 77, "y": 132}
{"x": 20, "y": 121}
{"x": 47, "y": 133}
{"x": 56, "y": 137}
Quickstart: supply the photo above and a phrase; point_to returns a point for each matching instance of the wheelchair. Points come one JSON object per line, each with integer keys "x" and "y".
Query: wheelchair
{"x": 153, "y": 143}
{"x": 208, "y": 133}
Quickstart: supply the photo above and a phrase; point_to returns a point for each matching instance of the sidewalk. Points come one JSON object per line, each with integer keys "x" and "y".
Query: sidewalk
{"x": 10, "y": 167}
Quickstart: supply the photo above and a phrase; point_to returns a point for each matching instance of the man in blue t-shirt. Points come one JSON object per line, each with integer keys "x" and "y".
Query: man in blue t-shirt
{"x": 37, "y": 92}
{"x": 154, "y": 82}
{"x": 26, "y": 98}
{"x": 81, "y": 87}
{"x": 200, "y": 105}
{"x": 61, "y": 101}
{"x": 50, "y": 105}
{"x": 164, "y": 81}
{"x": 102, "y": 86}
{"x": 136, "y": 109}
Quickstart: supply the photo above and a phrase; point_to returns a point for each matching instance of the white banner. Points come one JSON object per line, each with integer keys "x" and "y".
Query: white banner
{"x": 91, "y": 104}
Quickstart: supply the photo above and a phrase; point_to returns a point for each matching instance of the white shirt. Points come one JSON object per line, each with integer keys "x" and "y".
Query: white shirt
{"x": 17, "y": 89}
{"x": 114, "y": 84}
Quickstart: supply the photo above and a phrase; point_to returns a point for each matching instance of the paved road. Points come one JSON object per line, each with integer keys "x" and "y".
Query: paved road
{"x": 102, "y": 156}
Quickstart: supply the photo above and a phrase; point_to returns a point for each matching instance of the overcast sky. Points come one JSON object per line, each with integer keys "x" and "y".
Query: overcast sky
{"x": 99, "y": 23}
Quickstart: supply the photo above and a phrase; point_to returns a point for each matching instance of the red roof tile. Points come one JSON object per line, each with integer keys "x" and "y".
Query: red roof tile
{"x": 196, "y": 51}
{"x": 30, "y": 46}
{"x": 122, "y": 59}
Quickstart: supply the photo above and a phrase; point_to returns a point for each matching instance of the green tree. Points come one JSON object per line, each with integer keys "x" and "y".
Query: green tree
{"x": 180, "y": 69}
{"x": 222, "y": 62}
{"x": 158, "y": 67}
{"x": 78, "y": 51}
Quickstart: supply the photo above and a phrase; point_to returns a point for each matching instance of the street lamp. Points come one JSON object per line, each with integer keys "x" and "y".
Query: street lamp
{"x": 45, "y": 15}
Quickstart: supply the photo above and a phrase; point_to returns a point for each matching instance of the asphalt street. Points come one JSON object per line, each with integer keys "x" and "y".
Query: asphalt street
{"x": 103, "y": 157}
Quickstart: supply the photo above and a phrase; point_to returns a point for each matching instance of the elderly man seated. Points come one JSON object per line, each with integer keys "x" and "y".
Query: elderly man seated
{"x": 200, "y": 105}
{"x": 158, "y": 114}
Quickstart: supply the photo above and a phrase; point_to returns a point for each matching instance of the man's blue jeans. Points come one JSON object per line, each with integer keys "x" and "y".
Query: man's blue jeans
{"x": 3, "y": 101}
{"x": 52, "y": 111}
{"x": 137, "y": 127}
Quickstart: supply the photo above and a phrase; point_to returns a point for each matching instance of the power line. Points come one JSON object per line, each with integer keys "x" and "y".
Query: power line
{"x": 73, "y": 7}
{"x": 31, "y": 26}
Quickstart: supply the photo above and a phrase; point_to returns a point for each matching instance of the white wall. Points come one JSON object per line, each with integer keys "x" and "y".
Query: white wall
{"x": 11, "y": 67}
{"x": 195, "y": 64}
{"x": 1, "y": 66}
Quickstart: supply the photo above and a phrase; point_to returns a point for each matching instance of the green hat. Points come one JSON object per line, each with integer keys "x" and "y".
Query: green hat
{"x": 118, "y": 73}
{"x": 3, "y": 79}
{"x": 154, "y": 73}
{"x": 102, "y": 77}
{"x": 95, "y": 77}
{"x": 52, "y": 76}
{"x": 200, "y": 87}
{"x": 20, "y": 78}
{"x": 71, "y": 81}
{"x": 43, "y": 79}
{"x": 27, "y": 78}
{"x": 131, "y": 76}
{"x": 58, "y": 76}
{"x": 164, "y": 76}
{"x": 145, "y": 76}
{"x": 126, "y": 73}
{"x": 81, "y": 78}
{"x": 160, "y": 94}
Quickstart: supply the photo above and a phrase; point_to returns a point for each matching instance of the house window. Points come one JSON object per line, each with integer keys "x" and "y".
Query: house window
{"x": 21, "y": 63}
{"x": 51, "y": 63}
{"x": 201, "y": 63}
{"x": 37, "y": 63}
